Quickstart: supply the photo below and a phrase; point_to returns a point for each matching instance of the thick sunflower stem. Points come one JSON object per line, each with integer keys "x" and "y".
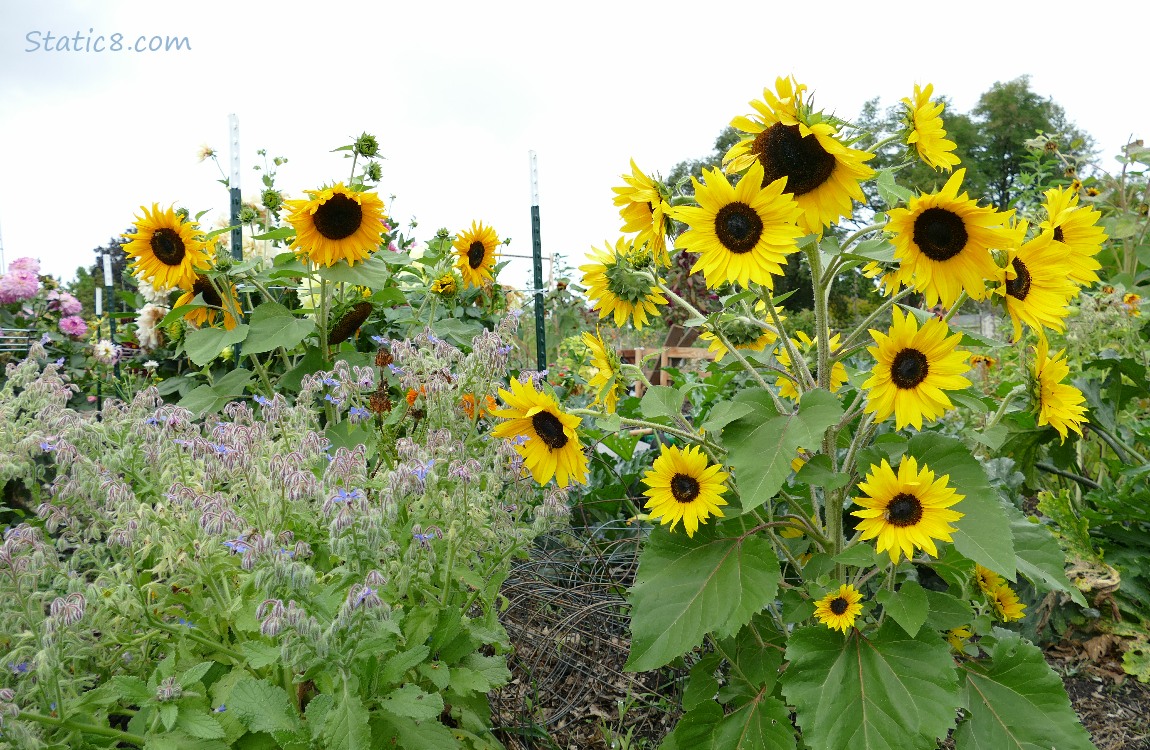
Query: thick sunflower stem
{"x": 998, "y": 415}
{"x": 857, "y": 236}
{"x": 962, "y": 297}
{"x": 894, "y": 138}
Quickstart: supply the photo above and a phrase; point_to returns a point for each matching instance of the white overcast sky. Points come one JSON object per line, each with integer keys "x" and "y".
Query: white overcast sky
{"x": 459, "y": 92}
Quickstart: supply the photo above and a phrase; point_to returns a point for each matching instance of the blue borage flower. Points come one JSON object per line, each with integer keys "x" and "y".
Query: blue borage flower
{"x": 357, "y": 414}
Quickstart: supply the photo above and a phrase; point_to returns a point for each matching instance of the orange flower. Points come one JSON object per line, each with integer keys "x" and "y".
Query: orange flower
{"x": 468, "y": 403}
{"x": 412, "y": 395}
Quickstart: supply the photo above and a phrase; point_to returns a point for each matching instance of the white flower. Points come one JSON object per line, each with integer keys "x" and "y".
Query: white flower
{"x": 105, "y": 351}
{"x": 151, "y": 365}
{"x": 148, "y": 333}
{"x": 150, "y": 293}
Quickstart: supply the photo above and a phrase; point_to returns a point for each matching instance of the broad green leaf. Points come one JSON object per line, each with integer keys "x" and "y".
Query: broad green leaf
{"x": 695, "y": 729}
{"x": 390, "y": 731}
{"x": 886, "y": 691}
{"x": 875, "y": 249}
{"x": 280, "y": 233}
{"x": 169, "y": 713}
{"x": 178, "y": 740}
{"x": 412, "y": 702}
{"x": 345, "y": 724}
{"x": 890, "y": 191}
{"x": 131, "y": 690}
{"x": 969, "y": 399}
{"x": 947, "y": 612}
{"x": 201, "y": 725}
{"x": 493, "y": 669}
{"x": 907, "y": 606}
{"x": 702, "y": 685}
{"x": 762, "y": 443}
{"x": 723, "y": 413}
{"x": 1039, "y": 557}
{"x": 262, "y": 706}
{"x": 1016, "y": 702}
{"x": 372, "y": 273}
{"x": 260, "y": 655}
{"x": 661, "y": 401}
{"x": 687, "y": 587}
{"x": 316, "y": 713}
{"x": 983, "y": 533}
{"x": 195, "y": 674}
{"x": 205, "y": 344}
{"x": 396, "y": 667}
{"x": 272, "y": 325}
{"x": 862, "y": 555}
{"x": 762, "y": 723}
{"x": 208, "y": 399}
{"x": 817, "y": 472}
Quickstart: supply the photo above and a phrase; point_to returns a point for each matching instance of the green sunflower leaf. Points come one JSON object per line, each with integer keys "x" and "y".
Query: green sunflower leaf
{"x": 762, "y": 443}
{"x": 208, "y": 399}
{"x": 1016, "y": 701}
{"x": 205, "y": 344}
{"x": 688, "y": 587}
{"x": 372, "y": 273}
{"x": 695, "y": 729}
{"x": 661, "y": 401}
{"x": 1039, "y": 557}
{"x": 881, "y": 691}
{"x": 907, "y": 606}
{"x": 761, "y": 723}
{"x": 272, "y": 325}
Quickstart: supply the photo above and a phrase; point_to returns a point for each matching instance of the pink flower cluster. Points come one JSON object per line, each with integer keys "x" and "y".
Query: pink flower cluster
{"x": 64, "y": 303}
{"x": 21, "y": 282}
{"x": 73, "y": 325}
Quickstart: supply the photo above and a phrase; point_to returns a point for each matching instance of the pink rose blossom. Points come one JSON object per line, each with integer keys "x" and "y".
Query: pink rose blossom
{"x": 73, "y": 325}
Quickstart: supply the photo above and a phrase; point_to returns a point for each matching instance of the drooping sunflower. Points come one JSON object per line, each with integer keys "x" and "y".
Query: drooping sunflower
{"x": 839, "y": 609}
{"x": 643, "y": 204}
{"x": 206, "y": 316}
{"x": 742, "y": 233}
{"x": 1005, "y": 603}
{"x": 166, "y": 250}
{"x": 943, "y": 243}
{"x": 476, "y": 251}
{"x": 544, "y": 434}
{"x": 1076, "y": 230}
{"x": 337, "y": 224}
{"x": 445, "y": 285}
{"x": 957, "y": 638}
{"x": 608, "y": 377}
{"x": 806, "y": 346}
{"x": 781, "y": 136}
{"x": 742, "y": 333}
{"x": 987, "y": 579}
{"x": 926, "y": 133}
{"x": 907, "y": 510}
{"x": 616, "y": 283}
{"x": 1059, "y": 405}
{"x": 1035, "y": 284}
{"x": 912, "y": 368}
{"x": 682, "y": 487}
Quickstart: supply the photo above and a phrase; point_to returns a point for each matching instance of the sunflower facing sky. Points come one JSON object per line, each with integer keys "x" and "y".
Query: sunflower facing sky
{"x": 617, "y": 285}
{"x": 943, "y": 243}
{"x": 682, "y": 487}
{"x": 805, "y": 346}
{"x": 742, "y": 233}
{"x": 544, "y": 434}
{"x": 336, "y": 224}
{"x": 165, "y": 248}
{"x": 839, "y": 609}
{"x": 476, "y": 251}
{"x": 782, "y": 137}
{"x": 913, "y": 366}
{"x": 1076, "y": 231}
{"x": 206, "y": 316}
{"x": 1059, "y": 405}
{"x": 643, "y": 205}
{"x": 906, "y": 510}
{"x": 608, "y": 377}
{"x": 926, "y": 132}
{"x": 1035, "y": 284}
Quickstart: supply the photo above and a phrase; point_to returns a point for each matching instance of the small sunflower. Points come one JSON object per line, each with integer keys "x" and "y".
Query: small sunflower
{"x": 682, "y": 487}
{"x": 1059, "y": 405}
{"x": 744, "y": 334}
{"x": 1006, "y": 605}
{"x": 1077, "y": 232}
{"x": 545, "y": 434}
{"x": 926, "y": 133}
{"x": 987, "y": 579}
{"x": 618, "y": 286}
{"x": 943, "y": 243}
{"x": 1035, "y": 284}
{"x": 643, "y": 205}
{"x": 445, "y": 285}
{"x": 888, "y": 281}
{"x": 476, "y": 250}
{"x": 742, "y": 233}
{"x": 912, "y": 368}
{"x": 166, "y": 249}
{"x": 336, "y": 224}
{"x": 608, "y": 371}
{"x": 807, "y": 347}
{"x": 957, "y": 638}
{"x": 907, "y": 510}
{"x": 822, "y": 174}
{"x": 206, "y": 316}
{"x": 839, "y": 609}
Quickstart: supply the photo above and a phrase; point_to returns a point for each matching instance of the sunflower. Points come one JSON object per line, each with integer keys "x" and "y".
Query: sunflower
{"x": 446, "y": 285}
{"x": 166, "y": 249}
{"x": 608, "y": 375}
{"x": 1059, "y": 405}
{"x": 890, "y": 281}
{"x": 681, "y": 486}
{"x": 907, "y": 510}
{"x": 822, "y": 174}
{"x": 336, "y": 224}
{"x": 1035, "y": 284}
{"x": 544, "y": 434}
{"x": 805, "y": 346}
{"x": 742, "y": 233}
{"x": 742, "y": 333}
{"x": 1077, "y": 232}
{"x": 206, "y": 316}
{"x": 838, "y": 609}
{"x": 476, "y": 250}
{"x": 943, "y": 243}
{"x": 926, "y": 133}
{"x": 617, "y": 284}
{"x": 987, "y": 579}
{"x": 957, "y": 638}
{"x": 1006, "y": 605}
{"x": 643, "y": 205}
{"x": 912, "y": 368}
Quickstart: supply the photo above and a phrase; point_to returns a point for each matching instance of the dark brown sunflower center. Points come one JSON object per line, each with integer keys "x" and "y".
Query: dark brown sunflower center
{"x": 904, "y": 510}
{"x": 939, "y": 234}
{"x": 839, "y": 605}
{"x": 1019, "y": 286}
{"x": 738, "y": 227}
{"x": 549, "y": 429}
{"x": 204, "y": 287}
{"x": 168, "y": 246}
{"x": 684, "y": 488}
{"x": 784, "y": 152}
{"x": 475, "y": 254}
{"x": 909, "y": 368}
{"x": 338, "y": 217}
{"x": 1058, "y": 234}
